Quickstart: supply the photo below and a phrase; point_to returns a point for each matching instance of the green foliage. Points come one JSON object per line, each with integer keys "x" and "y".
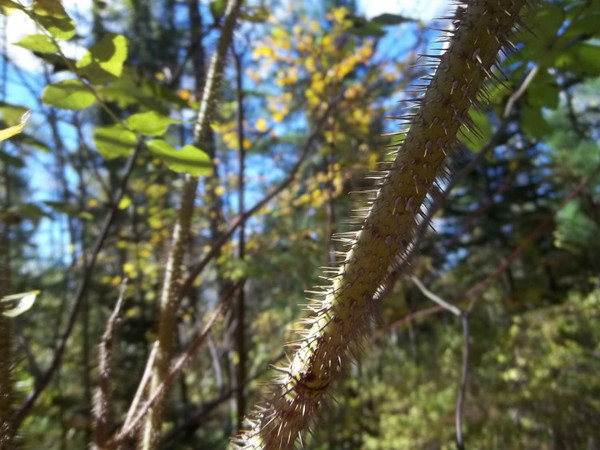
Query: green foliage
{"x": 52, "y": 16}
{"x": 68, "y": 94}
{"x": 114, "y": 140}
{"x": 38, "y": 43}
{"x": 103, "y": 62}
{"x": 189, "y": 159}
{"x": 150, "y": 123}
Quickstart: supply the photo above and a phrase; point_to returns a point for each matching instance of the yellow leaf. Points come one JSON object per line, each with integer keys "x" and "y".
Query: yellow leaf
{"x": 124, "y": 202}
{"x": 92, "y": 203}
{"x": 184, "y": 94}
{"x": 247, "y": 143}
{"x": 15, "y": 129}
{"x": 339, "y": 14}
{"x": 318, "y": 86}
{"x": 219, "y": 190}
{"x": 155, "y": 222}
{"x": 261, "y": 125}
{"x": 277, "y": 117}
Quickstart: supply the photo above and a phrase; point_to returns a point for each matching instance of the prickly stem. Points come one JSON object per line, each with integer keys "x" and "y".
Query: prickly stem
{"x": 343, "y": 313}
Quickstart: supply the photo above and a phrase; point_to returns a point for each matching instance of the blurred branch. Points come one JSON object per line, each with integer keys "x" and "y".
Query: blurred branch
{"x": 129, "y": 428}
{"x": 101, "y": 410}
{"x": 43, "y": 382}
{"x": 464, "y": 317}
{"x": 193, "y": 421}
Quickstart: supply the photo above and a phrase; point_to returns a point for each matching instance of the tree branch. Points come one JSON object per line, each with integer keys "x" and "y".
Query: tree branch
{"x": 43, "y": 382}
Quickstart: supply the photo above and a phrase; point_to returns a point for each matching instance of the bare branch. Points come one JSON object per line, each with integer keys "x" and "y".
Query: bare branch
{"x": 462, "y": 391}
{"x": 181, "y": 362}
{"x": 101, "y": 410}
{"x": 43, "y": 382}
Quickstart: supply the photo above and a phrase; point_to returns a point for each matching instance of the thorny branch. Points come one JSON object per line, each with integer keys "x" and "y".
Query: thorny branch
{"x": 440, "y": 201}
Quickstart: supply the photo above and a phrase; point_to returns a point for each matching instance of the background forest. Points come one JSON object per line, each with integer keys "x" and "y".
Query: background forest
{"x": 310, "y": 94}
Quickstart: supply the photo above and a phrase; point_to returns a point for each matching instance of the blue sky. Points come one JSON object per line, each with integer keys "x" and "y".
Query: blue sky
{"x": 422, "y": 10}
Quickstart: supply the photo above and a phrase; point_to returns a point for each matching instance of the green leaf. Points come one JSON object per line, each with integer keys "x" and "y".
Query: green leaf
{"x": 103, "y": 62}
{"x": 534, "y": 123}
{"x": 150, "y": 123}
{"x": 28, "y": 211}
{"x": 114, "y": 141}
{"x": 124, "y": 202}
{"x": 363, "y": 28}
{"x": 25, "y": 138}
{"x": 581, "y": 59}
{"x": 16, "y": 304}
{"x": 38, "y": 43}
{"x": 217, "y": 9}
{"x": 15, "y": 129}
{"x": 189, "y": 159}
{"x": 543, "y": 92}
{"x": 53, "y": 17}
{"x": 63, "y": 208}
{"x": 68, "y": 94}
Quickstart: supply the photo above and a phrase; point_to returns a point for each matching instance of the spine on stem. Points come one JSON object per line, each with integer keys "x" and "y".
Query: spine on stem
{"x": 342, "y": 310}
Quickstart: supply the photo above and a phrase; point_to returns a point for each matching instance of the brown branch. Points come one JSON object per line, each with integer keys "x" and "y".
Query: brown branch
{"x": 193, "y": 421}
{"x": 462, "y": 392}
{"x": 101, "y": 408}
{"x": 176, "y": 369}
{"x": 239, "y": 314}
{"x": 43, "y": 382}
{"x": 483, "y": 285}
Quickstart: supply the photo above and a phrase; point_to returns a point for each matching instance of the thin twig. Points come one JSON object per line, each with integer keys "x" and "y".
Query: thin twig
{"x": 137, "y": 398}
{"x": 435, "y": 298}
{"x": 193, "y": 420}
{"x": 462, "y": 391}
{"x": 176, "y": 369}
{"x": 101, "y": 408}
{"x": 43, "y": 382}
{"x": 483, "y": 285}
